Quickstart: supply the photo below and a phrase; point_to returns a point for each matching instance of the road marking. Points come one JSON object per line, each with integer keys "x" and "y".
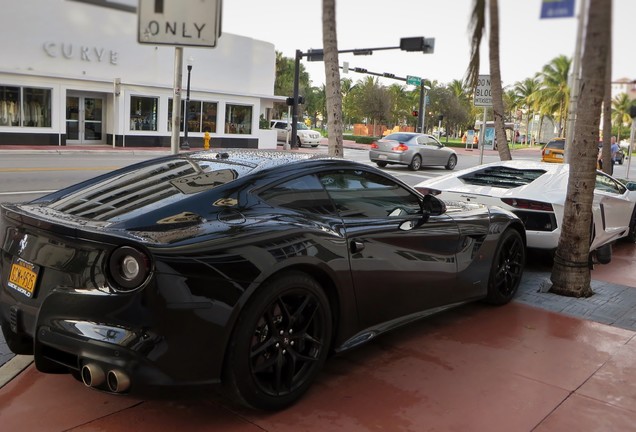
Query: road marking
{"x": 104, "y": 168}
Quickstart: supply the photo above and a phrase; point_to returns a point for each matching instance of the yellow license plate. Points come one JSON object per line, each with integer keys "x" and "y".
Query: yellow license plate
{"x": 23, "y": 277}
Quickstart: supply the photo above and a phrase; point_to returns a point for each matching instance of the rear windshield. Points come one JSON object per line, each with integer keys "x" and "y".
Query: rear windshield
{"x": 501, "y": 177}
{"x": 557, "y": 144}
{"x": 398, "y": 137}
{"x": 129, "y": 192}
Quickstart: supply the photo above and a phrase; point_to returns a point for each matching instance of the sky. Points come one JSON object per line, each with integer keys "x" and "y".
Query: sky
{"x": 527, "y": 42}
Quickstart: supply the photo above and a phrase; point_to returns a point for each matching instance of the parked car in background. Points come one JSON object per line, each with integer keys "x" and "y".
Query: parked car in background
{"x": 553, "y": 151}
{"x": 235, "y": 267}
{"x": 412, "y": 149}
{"x": 305, "y": 136}
{"x": 536, "y": 192}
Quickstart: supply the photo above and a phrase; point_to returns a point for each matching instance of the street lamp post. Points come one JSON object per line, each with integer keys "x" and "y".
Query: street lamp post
{"x": 185, "y": 145}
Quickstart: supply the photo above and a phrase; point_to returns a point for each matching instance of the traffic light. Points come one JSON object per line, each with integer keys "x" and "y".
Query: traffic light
{"x": 415, "y": 113}
{"x": 290, "y": 101}
{"x": 360, "y": 70}
{"x": 632, "y": 111}
{"x": 440, "y": 117}
{"x": 412, "y": 44}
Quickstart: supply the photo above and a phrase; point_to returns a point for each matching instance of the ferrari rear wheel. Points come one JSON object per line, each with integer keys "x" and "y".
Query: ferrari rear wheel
{"x": 507, "y": 268}
{"x": 416, "y": 163}
{"x": 280, "y": 343}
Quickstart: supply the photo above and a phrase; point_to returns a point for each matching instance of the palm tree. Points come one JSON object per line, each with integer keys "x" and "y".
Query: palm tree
{"x": 478, "y": 25}
{"x": 526, "y": 91}
{"x": 555, "y": 93}
{"x": 401, "y": 106}
{"x": 571, "y": 270}
{"x": 620, "y": 112}
{"x": 332, "y": 75}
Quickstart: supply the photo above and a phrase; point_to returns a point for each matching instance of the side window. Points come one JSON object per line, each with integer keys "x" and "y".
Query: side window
{"x": 605, "y": 183}
{"x": 304, "y": 194}
{"x": 358, "y": 193}
{"x": 421, "y": 140}
{"x": 281, "y": 125}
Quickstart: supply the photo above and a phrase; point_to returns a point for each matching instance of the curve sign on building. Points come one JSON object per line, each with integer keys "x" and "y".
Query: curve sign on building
{"x": 483, "y": 94}
{"x": 186, "y": 22}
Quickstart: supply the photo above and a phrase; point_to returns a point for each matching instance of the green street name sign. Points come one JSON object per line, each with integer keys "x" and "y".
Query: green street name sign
{"x": 413, "y": 80}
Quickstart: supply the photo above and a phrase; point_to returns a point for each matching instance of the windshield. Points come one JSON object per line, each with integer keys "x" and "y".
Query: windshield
{"x": 302, "y": 126}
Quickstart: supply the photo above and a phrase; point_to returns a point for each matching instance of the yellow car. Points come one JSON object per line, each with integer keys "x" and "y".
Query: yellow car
{"x": 553, "y": 151}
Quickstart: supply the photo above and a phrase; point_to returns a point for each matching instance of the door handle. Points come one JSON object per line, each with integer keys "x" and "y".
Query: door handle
{"x": 356, "y": 246}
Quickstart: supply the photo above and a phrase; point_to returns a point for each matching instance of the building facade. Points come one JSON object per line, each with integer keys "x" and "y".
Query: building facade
{"x": 77, "y": 75}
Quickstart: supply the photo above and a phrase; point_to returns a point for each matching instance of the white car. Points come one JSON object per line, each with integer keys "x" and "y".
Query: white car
{"x": 305, "y": 136}
{"x": 535, "y": 191}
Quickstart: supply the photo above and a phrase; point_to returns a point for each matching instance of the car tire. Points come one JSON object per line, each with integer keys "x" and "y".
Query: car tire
{"x": 314, "y": 145}
{"x": 631, "y": 235}
{"x": 452, "y": 162}
{"x": 381, "y": 164}
{"x": 280, "y": 342}
{"x": 507, "y": 268}
{"x": 416, "y": 163}
{"x": 298, "y": 142}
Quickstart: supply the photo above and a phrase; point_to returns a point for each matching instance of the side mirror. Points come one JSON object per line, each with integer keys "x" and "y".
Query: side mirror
{"x": 433, "y": 206}
{"x": 631, "y": 186}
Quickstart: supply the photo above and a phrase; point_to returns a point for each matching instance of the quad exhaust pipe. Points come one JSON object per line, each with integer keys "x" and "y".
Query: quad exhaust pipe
{"x": 93, "y": 375}
{"x": 116, "y": 380}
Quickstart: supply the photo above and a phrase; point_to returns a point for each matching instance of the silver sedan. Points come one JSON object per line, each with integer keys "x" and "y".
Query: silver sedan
{"x": 412, "y": 149}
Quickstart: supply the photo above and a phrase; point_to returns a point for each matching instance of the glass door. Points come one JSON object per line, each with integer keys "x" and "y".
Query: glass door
{"x": 84, "y": 120}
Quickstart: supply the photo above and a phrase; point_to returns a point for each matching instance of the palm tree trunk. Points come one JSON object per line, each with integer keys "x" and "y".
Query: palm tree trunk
{"x": 608, "y": 163}
{"x": 332, "y": 75}
{"x": 495, "y": 79}
{"x": 571, "y": 270}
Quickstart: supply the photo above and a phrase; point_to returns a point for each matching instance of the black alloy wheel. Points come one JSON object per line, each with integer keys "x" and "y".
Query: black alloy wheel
{"x": 507, "y": 268}
{"x": 280, "y": 343}
{"x": 452, "y": 162}
{"x": 416, "y": 163}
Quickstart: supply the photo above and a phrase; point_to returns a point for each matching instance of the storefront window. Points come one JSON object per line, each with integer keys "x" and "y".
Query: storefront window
{"x": 209, "y": 117}
{"x": 32, "y": 103}
{"x": 238, "y": 119}
{"x": 9, "y": 106}
{"x": 197, "y": 111}
{"x": 143, "y": 113}
{"x": 37, "y": 107}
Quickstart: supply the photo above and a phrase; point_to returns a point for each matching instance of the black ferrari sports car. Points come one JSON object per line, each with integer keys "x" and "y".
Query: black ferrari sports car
{"x": 240, "y": 268}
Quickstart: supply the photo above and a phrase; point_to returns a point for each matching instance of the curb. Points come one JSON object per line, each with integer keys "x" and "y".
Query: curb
{"x": 13, "y": 367}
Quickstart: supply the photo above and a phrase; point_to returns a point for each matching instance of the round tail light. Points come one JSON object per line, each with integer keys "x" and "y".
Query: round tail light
{"x": 128, "y": 268}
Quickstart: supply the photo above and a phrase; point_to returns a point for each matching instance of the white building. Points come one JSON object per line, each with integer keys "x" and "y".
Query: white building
{"x": 72, "y": 72}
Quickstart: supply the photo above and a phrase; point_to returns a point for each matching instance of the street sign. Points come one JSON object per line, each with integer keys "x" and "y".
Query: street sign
{"x": 483, "y": 94}
{"x": 557, "y": 8}
{"x": 182, "y": 23}
{"x": 413, "y": 80}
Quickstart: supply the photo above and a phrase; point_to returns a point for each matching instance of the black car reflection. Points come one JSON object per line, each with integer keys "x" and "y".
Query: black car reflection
{"x": 245, "y": 268}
